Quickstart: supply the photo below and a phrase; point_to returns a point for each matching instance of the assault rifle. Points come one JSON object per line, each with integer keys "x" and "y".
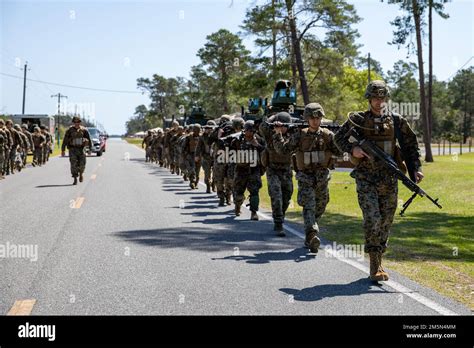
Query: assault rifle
{"x": 388, "y": 162}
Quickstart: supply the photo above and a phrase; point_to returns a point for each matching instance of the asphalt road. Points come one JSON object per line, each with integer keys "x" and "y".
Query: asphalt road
{"x": 134, "y": 239}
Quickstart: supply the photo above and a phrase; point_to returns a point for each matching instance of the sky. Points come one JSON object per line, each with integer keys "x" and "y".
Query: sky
{"x": 109, "y": 44}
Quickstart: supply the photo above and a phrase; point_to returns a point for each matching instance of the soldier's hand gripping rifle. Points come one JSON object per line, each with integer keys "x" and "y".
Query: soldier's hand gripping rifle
{"x": 388, "y": 162}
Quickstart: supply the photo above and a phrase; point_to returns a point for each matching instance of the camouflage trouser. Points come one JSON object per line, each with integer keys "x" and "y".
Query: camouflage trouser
{"x": 230, "y": 175}
{"x": 11, "y": 158}
{"x": 38, "y": 156}
{"x": 378, "y": 202}
{"x": 159, "y": 155}
{"x": 207, "y": 167}
{"x": 193, "y": 168}
{"x": 2, "y": 159}
{"x": 313, "y": 196}
{"x": 147, "y": 153}
{"x": 77, "y": 158}
{"x": 6, "y": 164}
{"x": 223, "y": 184}
{"x": 251, "y": 180}
{"x": 280, "y": 190}
{"x": 45, "y": 153}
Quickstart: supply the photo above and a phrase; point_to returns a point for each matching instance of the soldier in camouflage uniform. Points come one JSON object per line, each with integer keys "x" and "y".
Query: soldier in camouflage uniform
{"x": 180, "y": 152}
{"x": 222, "y": 182}
{"x": 203, "y": 152}
{"x": 279, "y": 172}
{"x": 157, "y": 147}
{"x": 38, "y": 141}
{"x": 23, "y": 150}
{"x": 193, "y": 162}
{"x": 48, "y": 143}
{"x": 247, "y": 175}
{"x": 146, "y": 142}
{"x": 76, "y": 138}
{"x": 376, "y": 188}
{"x": 3, "y": 146}
{"x": 169, "y": 150}
{"x": 24, "y": 129}
{"x": 8, "y": 143}
{"x": 237, "y": 126}
{"x": 17, "y": 144}
{"x": 314, "y": 148}
{"x": 175, "y": 150}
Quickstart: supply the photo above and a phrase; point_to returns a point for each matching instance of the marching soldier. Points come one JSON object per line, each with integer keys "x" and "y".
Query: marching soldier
{"x": 76, "y": 138}
{"x": 193, "y": 162}
{"x": 38, "y": 140}
{"x": 279, "y": 172}
{"x": 314, "y": 148}
{"x": 24, "y": 129}
{"x": 376, "y": 188}
{"x": 203, "y": 153}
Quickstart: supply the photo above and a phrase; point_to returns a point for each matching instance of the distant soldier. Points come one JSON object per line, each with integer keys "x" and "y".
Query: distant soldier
{"x": 377, "y": 188}
{"x": 314, "y": 148}
{"x": 146, "y": 143}
{"x": 175, "y": 150}
{"x": 3, "y": 146}
{"x": 8, "y": 143}
{"x": 222, "y": 182}
{"x": 157, "y": 147}
{"x": 76, "y": 138}
{"x": 193, "y": 162}
{"x": 17, "y": 145}
{"x": 203, "y": 152}
{"x": 279, "y": 172}
{"x": 47, "y": 145}
{"x": 248, "y": 173}
{"x": 23, "y": 150}
{"x": 24, "y": 128}
{"x": 38, "y": 140}
{"x": 169, "y": 150}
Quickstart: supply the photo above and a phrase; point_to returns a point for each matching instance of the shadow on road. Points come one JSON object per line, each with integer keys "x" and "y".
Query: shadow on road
{"x": 44, "y": 186}
{"x": 319, "y": 292}
{"x": 296, "y": 255}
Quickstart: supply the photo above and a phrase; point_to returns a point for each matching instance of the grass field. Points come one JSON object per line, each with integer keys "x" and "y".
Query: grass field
{"x": 431, "y": 246}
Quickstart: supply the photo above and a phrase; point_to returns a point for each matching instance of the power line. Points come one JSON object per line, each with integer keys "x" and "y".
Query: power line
{"x": 70, "y": 86}
{"x": 460, "y": 68}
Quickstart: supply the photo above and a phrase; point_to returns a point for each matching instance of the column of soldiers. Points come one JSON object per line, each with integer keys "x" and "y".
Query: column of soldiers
{"x": 310, "y": 153}
{"x": 16, "y": 142}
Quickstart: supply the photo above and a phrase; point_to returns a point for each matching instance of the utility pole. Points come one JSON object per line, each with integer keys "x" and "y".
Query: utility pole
{"x": 59, "y": 95}
{"x": 24, "y": 87}
{"x": 368, "y": 63}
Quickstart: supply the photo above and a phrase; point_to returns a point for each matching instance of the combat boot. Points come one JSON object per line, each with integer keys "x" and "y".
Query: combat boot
{"x": 278, "y": 228}
{"x": 191, "y": 185}
{"x": 237, "y": 210}
{"x": 185, "y": 177}
{"x": 375, "y": 274}
{"x": 81, "y": 177}
{"x": 75, "y": 180}
{"x": 254, "y": 216}
{"x": 213, "y": 186}
{"x": 221, "y": 201}
{"x": 208, "y": 188}
{"x": 312, "y": 241}
{"x": 381, "y": 270}
{"x": 196, "y": 185}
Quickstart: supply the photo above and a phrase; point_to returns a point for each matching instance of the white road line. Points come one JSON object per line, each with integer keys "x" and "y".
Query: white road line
{"x": 393, "y": 284}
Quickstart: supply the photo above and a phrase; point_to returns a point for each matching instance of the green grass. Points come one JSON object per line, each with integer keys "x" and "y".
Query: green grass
{"x": 56, "y": 152}
{"x": 134, "y": 141}
{"x": 431, "y": 246}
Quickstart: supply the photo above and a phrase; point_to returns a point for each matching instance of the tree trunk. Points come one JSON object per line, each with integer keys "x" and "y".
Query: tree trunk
{"x": 430, "y": 67}
{"x": 274, "y": 45}
{"x": 292, "y": 58}
{"x": 297, "y": 51}
{"x": 424, "y": 115}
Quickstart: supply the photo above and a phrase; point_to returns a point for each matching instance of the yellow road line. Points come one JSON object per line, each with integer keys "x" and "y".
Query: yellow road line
{"x": 22, "y": 307}
{"x": 78, "y": 202}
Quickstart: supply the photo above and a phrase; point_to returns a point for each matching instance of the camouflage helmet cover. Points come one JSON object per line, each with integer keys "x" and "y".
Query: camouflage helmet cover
{"x": 283, "y": 117}
{"x": 238, "y": 122}
{"x": 210, "y": 123}
{"x": 76, "y": 119}
{"x": 377, "y": 89}
{"x": 248, "y": 125}
{"x": 313, "y": 110}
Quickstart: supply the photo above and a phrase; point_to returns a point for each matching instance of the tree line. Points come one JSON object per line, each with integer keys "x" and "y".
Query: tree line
{"x": 313, "y": 44}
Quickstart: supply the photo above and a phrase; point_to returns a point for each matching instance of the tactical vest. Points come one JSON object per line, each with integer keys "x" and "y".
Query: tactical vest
{"x": 382, "y": 133}
{"x": 38, "y": 140}
{"x": 193, "y": 141}
{"x": 77, "y": 137}
{"x": 313, "y": 152}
